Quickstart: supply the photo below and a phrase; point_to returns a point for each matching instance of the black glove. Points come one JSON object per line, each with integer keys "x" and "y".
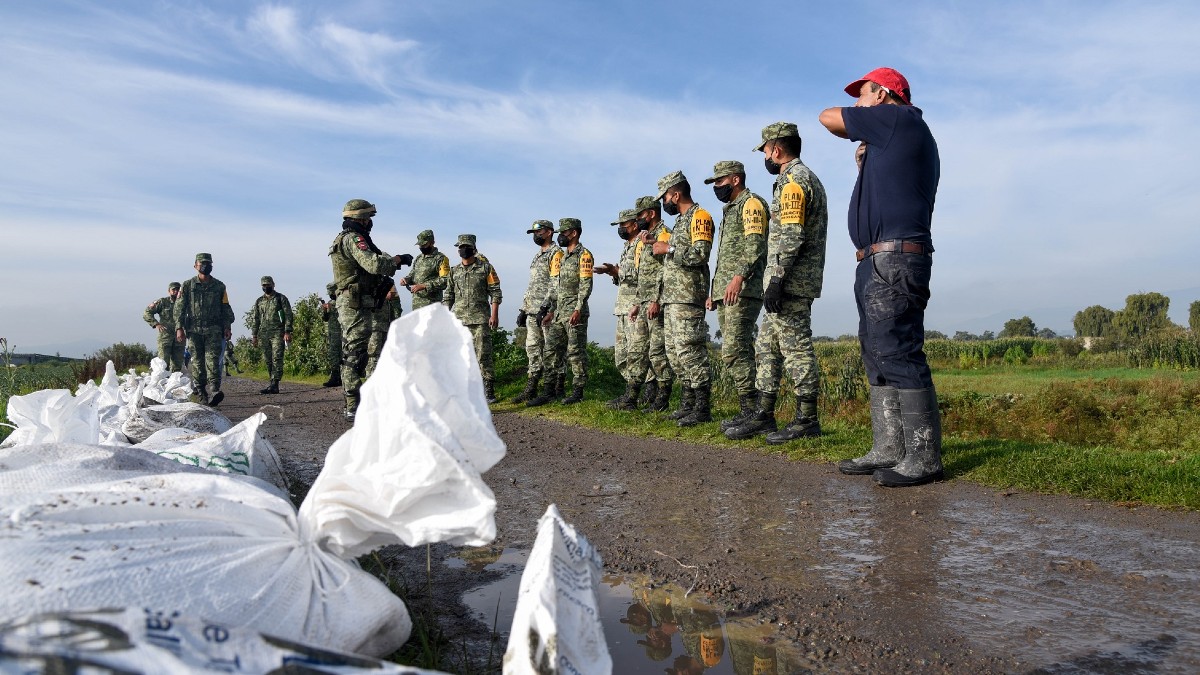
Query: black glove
{"x": 405, "y": 259}
{"x": 521, "y": 316}
{"x": 541, "y": 315}
{"x": 773, "y": 297}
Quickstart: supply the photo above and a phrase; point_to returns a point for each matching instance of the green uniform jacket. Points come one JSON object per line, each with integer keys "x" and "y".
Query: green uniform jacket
{"x": 165, "y": 308}
{"x": 799, "y": 222}
{"x": 537, "y": 293}
{"x": 272, "y": 315}
{"x": 433, "y": 270}
{"x": 571, "y": 281}
{"x": 203, "y": 306}
{"x": 626, "y": 279}
{"x": 650, "y": 266}
{"x": 357, "y": 270}
{"x": 471, "y": 291}
{"x": 742, "y": 245}
{"x": 685, "y": 272}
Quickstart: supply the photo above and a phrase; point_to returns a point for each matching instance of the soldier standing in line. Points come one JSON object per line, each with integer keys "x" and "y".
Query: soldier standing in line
{"x": 205, "y": 318}
{"x": 571, "y": 280}
{"x": 389, "y": 310}
{"x": 529, "y": 317}
{"x": 631, "y": 365}
{"x": 795, "y": 269}
{"x": 429, "y": 274}
{"x": 160, "y": 314}
{"x": 271, "y": 329}
{"x": 359, "y": 268}
{"x": 473, "y": 293}
{"x": 649, "y": 331}
{"x": 685, "y": 293}
{"x": 333, "y": 337}
{"x": 737, "y": 283}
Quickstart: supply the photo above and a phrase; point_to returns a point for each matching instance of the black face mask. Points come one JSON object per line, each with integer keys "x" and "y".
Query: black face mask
{"x": 269, "y": 290}
{"x": 773, "y": 167}
{"x": 643, "y": 224}
{"x": 205, "y": 268}
{"x": 539, "y": 239}
{"x": 723, "y": 192}
{"x": 465, "y": 252}
{"x": 670, "y": 209}
{"x": 624, "y": 233}
{"x": 563, "y": 239}
{"x": 426, "y": 250}
{"x": 368, "y": 225}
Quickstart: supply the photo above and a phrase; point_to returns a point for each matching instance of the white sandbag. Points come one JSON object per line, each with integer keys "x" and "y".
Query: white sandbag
{"x": 143, "y": 422}
{"x": 165, "y": 642}
{"x": 91, "y": 527}
{"x": 410, "y": 467}
{"x": 53, "y": 416}
{"x": 556, "y": 625}
{"x": 240, "y": 450}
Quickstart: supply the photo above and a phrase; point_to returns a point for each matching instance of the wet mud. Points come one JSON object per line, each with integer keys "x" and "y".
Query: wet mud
{"x": 804, "y": 569}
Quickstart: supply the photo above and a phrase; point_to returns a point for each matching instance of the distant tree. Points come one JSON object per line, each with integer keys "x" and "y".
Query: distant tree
{"x": 846, "y": 337}
{"x": 1095, "y": 321}
{"x": 1046, "y": 334}
{"x": 1194, "y": 316}
{"x": 987, "y": 335}
{"x": 124, "y": 356}
{"x": 1022, "y": 327}
{"x": 935, "y": 335}
{"x": 1144, "y": 313}
{"x": 964, "y": 336}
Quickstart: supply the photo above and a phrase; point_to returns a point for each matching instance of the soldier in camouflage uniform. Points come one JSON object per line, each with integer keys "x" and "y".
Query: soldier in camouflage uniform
{"x": 271, "y": 328}
{"x": 795, "y": 269}
{"x": 429, "y": 274}
{"x": 160, "y": 314}
{"x": 473, "y": 293}
{"x": 567, "y": 314}
{"x": 205, "y": 318}
{"x": 530, "y": 316}
{"x": 359, "y": 270}
{"x": 685, "y": 293}
{"x": 650, "y": 331}
{"x": 737, "y": 283}
{"x": 333, "y": 337}
{"x": 630, "y": 364}
{"x": 389, "y": 311}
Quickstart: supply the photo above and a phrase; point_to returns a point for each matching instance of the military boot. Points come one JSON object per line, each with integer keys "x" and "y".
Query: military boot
{"x": 701, "y": 409}
{"x": 922, "y": 462}
{"x": 552, "y": 390}
{"x": 273, "y": 388}
{"x": 335, "y": 379}
{"x": 662, "y": 399}
{"x": 762, "y": 421}
{"x": 576, "y": 395}
{"x": 489, "y": 392}
{"x": 216, "y": 399}
{"x": 530, "y": 392}
{"x": 649, "y": 393}
{"x": 628, "y": 400}
{"x": 687, "y": 400}
{"x": 200, "y": 392}
{"x": 805, "y": 425}
{"x": 746, "y": 407}
{"x": 887, "y": 430}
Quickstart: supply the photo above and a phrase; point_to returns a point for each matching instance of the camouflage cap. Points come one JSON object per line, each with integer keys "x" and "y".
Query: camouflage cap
{"x": 174, "y": 286}
{"x": 625, "y": 216}
{"x": 669, "y": 181}
{"x": 331, "y": 288}
{"x": 568, "y": 224}
{"x": 358, "y": 208}
{"x": 465, "y": 240}
{"x": 728, "y": 167}
{"x": 203, "y": 257}
{"x": 266, "y": 281}
{"x": 644, "y": 203}
{"x": 777, "y": 130}
{"x": 425, "y": 237}
{"x": 540, "y": 225}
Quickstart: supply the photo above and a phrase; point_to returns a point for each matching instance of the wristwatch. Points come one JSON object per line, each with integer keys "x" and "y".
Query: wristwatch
{"x": 670, "y": 250}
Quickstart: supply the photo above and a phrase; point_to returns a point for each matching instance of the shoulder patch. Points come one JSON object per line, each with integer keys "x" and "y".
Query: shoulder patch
{"x": 791, "y": 203}
{"x": 360, "y": 243}
{"x": 225, "y": 298}
{"x": 702, "y": 226}
{"x": 754, "y": 217}
{"x": 492, "y": 277}
{"x": 664, "y": 235}
{"x": 444, "y": 268}
{"x": 556, "y": 263}
{"x": 586, "y": 263}
{"x": 637, "y": 253}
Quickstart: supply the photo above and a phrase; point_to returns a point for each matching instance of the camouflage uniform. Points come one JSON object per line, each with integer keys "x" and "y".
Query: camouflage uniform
{"x": 431, "y": 269}
{"x": 270, "y": 319}
{"x": 685, "y": 286}
{"x": 359, "y": 268}
{"x": 537, "y": 296}
{"x": 381, "y": 321}
{"x": 169, "y": 349}
{"x": 470, "y": 292}
{"x": 571, "y": 286}
{"x": 333, "y": 337}
{"x": 741, "y": 251}
{"x": 650, "y": 334}
{"x": 204, "y": 315}
{"x": 630, "y": 363}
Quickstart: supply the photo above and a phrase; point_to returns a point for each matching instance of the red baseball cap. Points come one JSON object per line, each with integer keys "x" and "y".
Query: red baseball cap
{"x": 887, "y": 78}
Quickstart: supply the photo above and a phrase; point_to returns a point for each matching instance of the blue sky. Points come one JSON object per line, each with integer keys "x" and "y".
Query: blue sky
{"x": 136, "y": 134}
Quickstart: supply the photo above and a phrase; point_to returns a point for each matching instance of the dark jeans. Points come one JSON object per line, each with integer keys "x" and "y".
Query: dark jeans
{"x": 892, "y": 290}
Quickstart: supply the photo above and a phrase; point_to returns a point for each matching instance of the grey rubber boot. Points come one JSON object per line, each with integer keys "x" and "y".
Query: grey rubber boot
{"x": 805, "y": 425}
{"x": 922, "y": 462}
{"x": 747, "y": 404}
{"x": 701, "y": 408}
{"x": 687, "y": 399}
{"x": 530, "y": 392}
{"x": 887, "y": 430}
{"x": 761, "y": 422}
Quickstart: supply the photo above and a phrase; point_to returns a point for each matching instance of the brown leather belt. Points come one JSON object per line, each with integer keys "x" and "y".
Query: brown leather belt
{"x": 891, "y": 246}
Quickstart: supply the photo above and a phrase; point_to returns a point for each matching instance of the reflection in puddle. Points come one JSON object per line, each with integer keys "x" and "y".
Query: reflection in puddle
{"x": 648, "y": 628}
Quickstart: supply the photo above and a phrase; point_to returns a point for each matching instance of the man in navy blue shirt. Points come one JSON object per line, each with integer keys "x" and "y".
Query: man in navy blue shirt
{"x": 890, "y": 213}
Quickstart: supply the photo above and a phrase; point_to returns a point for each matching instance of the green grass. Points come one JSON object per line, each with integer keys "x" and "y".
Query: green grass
{"x": 1031, "y": 379}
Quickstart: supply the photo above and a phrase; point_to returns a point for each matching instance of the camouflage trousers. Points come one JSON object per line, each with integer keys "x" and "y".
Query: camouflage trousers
{"x": 568, "y": 345}
{"x": 630, "y": 363}
{"x": 333, "y": 341}
{"x": 785, "y": 344}
{"x": 687, "y": 344}
{"x": 535, "y": 347}
{"x": 170, "y": 351}
{"x": 737, "y": 341}
{"x": 356, "y": 333}
{"x": 481, "y": 336}
{"x": 272, "y": 349}
{"x": 206, "y": 347}
{"x": 649, "y": 339}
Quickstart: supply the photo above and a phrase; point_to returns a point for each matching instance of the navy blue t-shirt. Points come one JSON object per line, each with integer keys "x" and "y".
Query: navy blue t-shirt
{"x": 894, "y": 194}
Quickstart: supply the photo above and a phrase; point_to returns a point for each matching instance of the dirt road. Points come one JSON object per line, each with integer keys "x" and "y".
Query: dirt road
{"x": 847, "y": 576}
